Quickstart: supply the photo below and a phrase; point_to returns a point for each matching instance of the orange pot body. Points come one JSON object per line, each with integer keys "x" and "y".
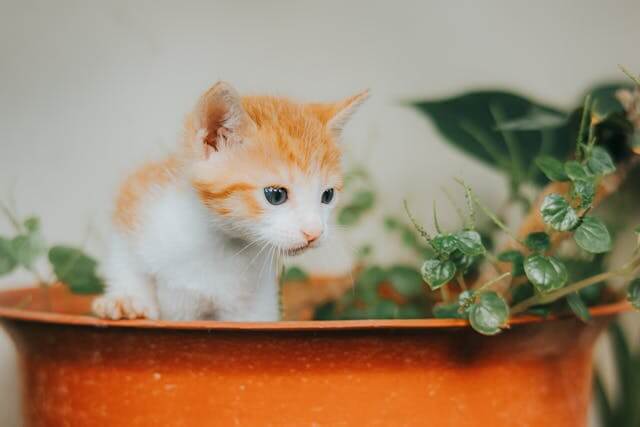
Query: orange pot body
{"x": 79, "y": 371}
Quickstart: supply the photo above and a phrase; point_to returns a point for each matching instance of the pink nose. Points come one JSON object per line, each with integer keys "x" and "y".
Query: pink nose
{"x": 311, "y": 236}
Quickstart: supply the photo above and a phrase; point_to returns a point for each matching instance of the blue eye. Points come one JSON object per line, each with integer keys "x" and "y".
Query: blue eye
{"x": 327, "y": 196}
{"x": 275, "y": 195}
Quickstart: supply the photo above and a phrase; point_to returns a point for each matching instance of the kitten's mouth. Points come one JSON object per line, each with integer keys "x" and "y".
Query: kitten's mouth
{"x": 297, "y": 251}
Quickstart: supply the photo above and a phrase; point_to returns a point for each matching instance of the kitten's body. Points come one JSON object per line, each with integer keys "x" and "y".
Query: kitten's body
{"x": 194, "y": 236}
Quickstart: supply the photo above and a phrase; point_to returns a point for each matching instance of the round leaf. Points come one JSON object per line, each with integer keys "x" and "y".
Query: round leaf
{"x": 592, "y": 236}
{"x": 32, "y": 224}
{"x": 444, "y": 243}
{"x": 8, "y": 260}
{"x": 437, "y": 273}
{"x": 462, "y": 261}
{"x": 576, "y": 171}
{"x": 489, "y": 313}
{"x": 545, "y": 273}
{"x": 600, "y": 162}
{"x": 469, "y": 243}
{"x": 27, "y": 248}
{"x": 633, "y": 293}
{"x": 552, "y": 168}
{"x": 406, "y": 280}
{"x": 585, "y": 190}
{"x": 558, "y": 214}
{"x": 363, "y": 200}
{"x": 537, "y": 242}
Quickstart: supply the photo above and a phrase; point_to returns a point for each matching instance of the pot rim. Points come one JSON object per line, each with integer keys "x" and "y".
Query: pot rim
{"x": 9, "y": 313}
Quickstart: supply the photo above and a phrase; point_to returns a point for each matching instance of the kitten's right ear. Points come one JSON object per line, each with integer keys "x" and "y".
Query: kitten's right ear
{"x": 221, "y": 119}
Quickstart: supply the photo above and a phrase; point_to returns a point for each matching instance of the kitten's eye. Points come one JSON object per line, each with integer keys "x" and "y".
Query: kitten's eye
{"x": 327, "y": 196}
{"x": 275, "y": 195}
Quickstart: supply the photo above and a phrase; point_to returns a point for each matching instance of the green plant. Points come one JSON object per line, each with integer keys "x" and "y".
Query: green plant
{"x": 530, "y": 145}
{"x": 69, "y": 265}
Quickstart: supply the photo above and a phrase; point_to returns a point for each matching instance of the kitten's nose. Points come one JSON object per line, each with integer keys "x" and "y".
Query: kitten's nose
{"x": 311, "y": 235}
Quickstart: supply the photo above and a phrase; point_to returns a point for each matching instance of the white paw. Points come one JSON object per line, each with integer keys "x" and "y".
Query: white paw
{"x": 116, "y": 307}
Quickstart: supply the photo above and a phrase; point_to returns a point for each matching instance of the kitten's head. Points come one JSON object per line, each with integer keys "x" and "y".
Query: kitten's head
{"x": 268, "y": 169}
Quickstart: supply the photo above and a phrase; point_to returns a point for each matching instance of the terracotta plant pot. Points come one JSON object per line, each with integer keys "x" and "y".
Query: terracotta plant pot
{"x": 80, "y": 371}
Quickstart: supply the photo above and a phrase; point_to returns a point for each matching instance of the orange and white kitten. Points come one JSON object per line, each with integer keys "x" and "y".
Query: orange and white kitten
{"x": 196, "y": 235}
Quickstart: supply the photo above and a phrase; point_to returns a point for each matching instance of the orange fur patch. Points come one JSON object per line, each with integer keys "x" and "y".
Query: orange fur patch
{"x": 136, "y": 186}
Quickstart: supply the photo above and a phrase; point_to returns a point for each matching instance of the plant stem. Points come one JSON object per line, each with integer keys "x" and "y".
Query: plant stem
{"x": 417, "y": 226}
{"x": 629, "y": 74}
{"x": 493, "y": 282}
{"x": 436, "y": 224}
{"x": 11, "y": 217}
{"x": 584, "y": 126}
{"x": 468, "y": 197}
{"x": 444, "y": 291}
{"x": 574, "y": 287}
{"x": 496, "y": 220}
{"x": 461, "y": 282}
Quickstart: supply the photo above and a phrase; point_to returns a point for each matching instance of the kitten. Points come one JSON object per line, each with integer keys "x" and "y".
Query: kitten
{"x": 198, "y": 234}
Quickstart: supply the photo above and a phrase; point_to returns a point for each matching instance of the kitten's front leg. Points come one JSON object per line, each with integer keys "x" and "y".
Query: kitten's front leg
{"x": 130, "y": 293}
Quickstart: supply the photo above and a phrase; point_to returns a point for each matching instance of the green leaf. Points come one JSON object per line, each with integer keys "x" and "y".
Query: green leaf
{"x": 552, "y": 168}
{"x": 545, "y": 273}
{"x": 489, "y": 313}
{"x": 364, "y": 251}
{"x": 469, "y": 123}
{"x": 383, "y": 309}
{"x": 363, "y": 200}
{"x": 348, "y": 215}
{"x": 576, "y": 171}
{"x": 578, "y": 307}
{"x": 462, "y": 261}
{"x": 448, "y": 311}
{"x": 373, "y": 275}
{"x": 406, "y": 280}
{"x": 633, "y": 293}
{"x": 8, "y": 260}
{"x": 535, "y": 119}
{"x": 592, "y": 236}
{"x": 585, "y": 190}
{"x": 469, "y": 243}
{"x": 326, "y": 311}
{"x": 600, "y": 162}
{"x": 538, "y": 241}
{"x": 437, "y": 273}
{"x": 27, "y": 248}
{"x": 294, "y": 274}
{"x": 32, "y": 224}
{"x": 391, "y": 223}
{"x": 516, "y": 259}
{"x": 444, "y": 243}
{"x": 558, "y": 214}
{"x": 76, "y": 269}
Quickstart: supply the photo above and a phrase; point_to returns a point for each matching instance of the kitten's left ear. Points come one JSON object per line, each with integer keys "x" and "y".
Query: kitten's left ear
{"x": 337, "y": 114}
{"x": 221, "y": 119}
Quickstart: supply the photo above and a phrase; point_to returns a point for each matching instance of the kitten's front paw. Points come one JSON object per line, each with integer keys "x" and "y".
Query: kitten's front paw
{"x": 117, "y": 307}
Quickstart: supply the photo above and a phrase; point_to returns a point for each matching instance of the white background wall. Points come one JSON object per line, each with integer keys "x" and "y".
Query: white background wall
{"x": 89, "y": 89}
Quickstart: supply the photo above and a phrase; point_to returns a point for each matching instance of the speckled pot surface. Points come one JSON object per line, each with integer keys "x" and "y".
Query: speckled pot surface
{"x": 80, "y": 371}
